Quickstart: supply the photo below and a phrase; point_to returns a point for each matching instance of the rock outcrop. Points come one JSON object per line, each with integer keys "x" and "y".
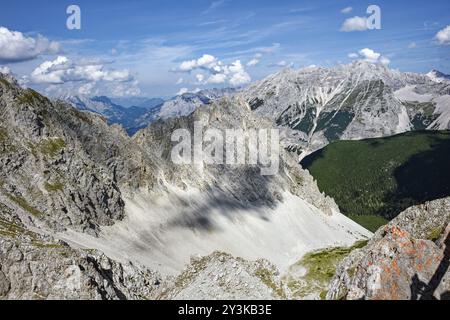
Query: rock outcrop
{"x": 35, "y": 266}
{"x": 407, "y": 259}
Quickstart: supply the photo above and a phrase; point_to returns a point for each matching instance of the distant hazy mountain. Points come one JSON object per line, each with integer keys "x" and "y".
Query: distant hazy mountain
{"x": 114, "y": 113}
{"x": 438, "y": 76}
{"x": 138, "y": 113}
{"x": 147, "y": 103}
{"x": 360, "y": 100}
{"x": 185, "y": 104}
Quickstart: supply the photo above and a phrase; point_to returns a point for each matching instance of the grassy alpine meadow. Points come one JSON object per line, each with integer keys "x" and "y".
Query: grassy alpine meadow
{"x": 374, "y": 180}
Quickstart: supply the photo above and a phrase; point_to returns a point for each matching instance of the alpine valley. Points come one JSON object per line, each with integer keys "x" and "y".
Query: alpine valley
{"x": 92, "y": 206}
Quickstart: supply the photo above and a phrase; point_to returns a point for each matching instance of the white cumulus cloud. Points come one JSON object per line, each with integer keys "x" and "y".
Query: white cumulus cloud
{"x": 206, "y": 61}
{"x": 85, "y": 77}
{"x": 238, "y": 74}
{"x": 354, "y": 24}
{"x": 347, "y": 10}
{"x": 61, "y": 70}
{"x": 182, "y": 91}
{"x": 282, "y": 64}
{"x": 200, "y": 77}
{"x": 16, "y": 47}
{"x": 5, "y": 70}
{"x": 217, "y": 78}
{"x": 217, "y": 71}
{"x": 370, "y": 55}
{"x": 443, "y": 36}
{"x": 252, "y": 62}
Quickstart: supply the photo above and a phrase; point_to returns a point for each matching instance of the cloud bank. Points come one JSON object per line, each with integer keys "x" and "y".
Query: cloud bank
{"x": 216, "y": 71}
{"x": 16, "y": 47}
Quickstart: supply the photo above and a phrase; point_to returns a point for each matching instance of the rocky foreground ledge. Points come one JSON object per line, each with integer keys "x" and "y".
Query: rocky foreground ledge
{"x": 408, "y": 259}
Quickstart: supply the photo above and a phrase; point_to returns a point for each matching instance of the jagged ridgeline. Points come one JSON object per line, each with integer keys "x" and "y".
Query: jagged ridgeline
{"x": 376, "y": 179}
{"x": 316, "y": 106}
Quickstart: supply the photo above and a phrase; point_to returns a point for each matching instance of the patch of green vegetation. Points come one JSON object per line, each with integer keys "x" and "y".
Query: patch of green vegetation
{"x": 321, "y": 265}
{"x": 383, "y": 176}
{"x": 25, "y": 205}
{"x": 307, "y": 123}
{"x": 51, "y": 147}
{"x": 256, "y": 103}
{"x": 81, "y": 115}
{"x": 58, "y": 186}
{"x": 11, "y": 229}
{"x": 320, "y": 268}
{"x": 46, "y": 245}
{"x": 370, "y": 222}
{"x": 186, "y": 277}
{"x": 334, "y": 123}
{"x": 435, "y": 233}
{"x": 3, "y": 135}
{"x": 267, "y": 277}
{"x": 421, "y": 113}
{"x": 30, "y": 96}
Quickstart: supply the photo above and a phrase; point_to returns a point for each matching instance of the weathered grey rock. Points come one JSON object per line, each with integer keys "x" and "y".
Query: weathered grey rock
{"x": 56, "y": 271}
{"x": 243, "y": 182}
{"x": 64, "y": 167}
{"x": 221, "y": 276}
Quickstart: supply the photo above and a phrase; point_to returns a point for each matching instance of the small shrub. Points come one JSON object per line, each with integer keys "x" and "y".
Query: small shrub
{"x": 58, "y": 186}
{"x": 51, "y": 147}
{"x": 25, "y": 205}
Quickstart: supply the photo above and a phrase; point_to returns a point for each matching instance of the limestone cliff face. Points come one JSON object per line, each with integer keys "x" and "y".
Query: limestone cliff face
{"x": 62, "y": 167}
{"x": 243, "y": 182}
{"x": 407, "y": 259}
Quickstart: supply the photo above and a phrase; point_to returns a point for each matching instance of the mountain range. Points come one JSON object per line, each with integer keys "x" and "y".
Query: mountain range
{"x": 313, "y": 105}
{"x": 137, "y": 113}
{"x": 349, "y": 102}
{"x": 72, "y": 183}
{"x": 93, "y": 207}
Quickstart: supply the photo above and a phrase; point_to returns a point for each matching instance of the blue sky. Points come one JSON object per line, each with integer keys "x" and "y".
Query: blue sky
{"x": 138, "y": 47}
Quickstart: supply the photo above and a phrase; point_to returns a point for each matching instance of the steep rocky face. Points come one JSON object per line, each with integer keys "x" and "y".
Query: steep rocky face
{"x": 38, "y": 267}
{"x": 221, "y": 207}
{"x": 240, "y": 181}
{"x": 407, "y": 259}
{"x": 360, "y": 100}
{"x": 63, "y": 168}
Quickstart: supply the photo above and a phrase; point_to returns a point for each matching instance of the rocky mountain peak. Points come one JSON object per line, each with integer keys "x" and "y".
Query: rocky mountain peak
{"x": 438, "y": 76}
